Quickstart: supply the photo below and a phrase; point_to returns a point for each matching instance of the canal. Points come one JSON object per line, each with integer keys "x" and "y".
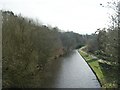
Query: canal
{"x": 71, "y": 71}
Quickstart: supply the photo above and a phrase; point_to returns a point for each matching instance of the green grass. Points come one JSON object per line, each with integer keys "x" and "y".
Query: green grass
{"x": 94, "y": 65}
{"x": 106, "y": 77}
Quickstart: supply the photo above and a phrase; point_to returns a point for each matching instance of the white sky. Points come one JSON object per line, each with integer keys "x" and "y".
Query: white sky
{"x": 81, "y": 16}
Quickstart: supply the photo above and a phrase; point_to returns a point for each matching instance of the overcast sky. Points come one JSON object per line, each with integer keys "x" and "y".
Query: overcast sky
{"x": 81, "y": 16}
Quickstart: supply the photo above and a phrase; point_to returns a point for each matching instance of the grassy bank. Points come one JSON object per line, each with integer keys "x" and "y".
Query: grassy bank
{"x": 101, "y": 72}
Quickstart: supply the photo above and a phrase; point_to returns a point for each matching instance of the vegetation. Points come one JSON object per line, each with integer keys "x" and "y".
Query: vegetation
{"x": 29, "y": 46}
{"x": 104, "y": 45}
{"x": 101, "y": 70}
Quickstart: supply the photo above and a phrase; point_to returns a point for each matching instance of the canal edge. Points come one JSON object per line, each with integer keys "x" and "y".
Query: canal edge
{"x": 92, "y": 70}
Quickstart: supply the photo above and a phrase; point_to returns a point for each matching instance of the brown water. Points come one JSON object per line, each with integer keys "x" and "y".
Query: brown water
{"x": 71, "y": 71}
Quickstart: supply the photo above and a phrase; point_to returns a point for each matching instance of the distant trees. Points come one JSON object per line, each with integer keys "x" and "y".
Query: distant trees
{"x": 71, "y": 40}
{"x": 92, "y": 43}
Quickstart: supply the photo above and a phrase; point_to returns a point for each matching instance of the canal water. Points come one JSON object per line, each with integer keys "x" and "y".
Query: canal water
{"x": 71, "y": 71}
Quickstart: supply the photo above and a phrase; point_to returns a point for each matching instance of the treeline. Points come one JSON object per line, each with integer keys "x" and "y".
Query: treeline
{"x": 104, "y": 44}
{"x": 29, "y": 46}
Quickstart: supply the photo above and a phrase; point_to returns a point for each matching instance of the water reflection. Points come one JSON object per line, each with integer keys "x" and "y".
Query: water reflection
{"x": 71, "y": 71}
